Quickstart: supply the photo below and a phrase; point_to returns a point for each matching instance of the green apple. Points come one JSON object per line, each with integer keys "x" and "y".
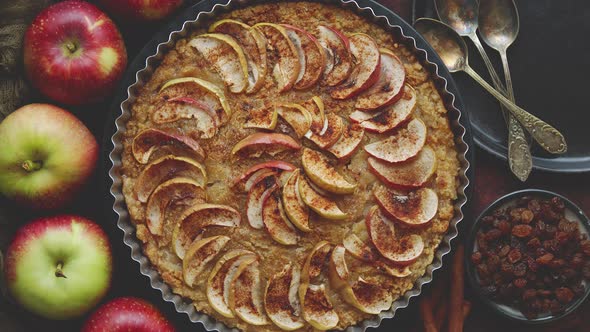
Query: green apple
{"x": 59, "y": 267}
{"x": 47, "y": 155}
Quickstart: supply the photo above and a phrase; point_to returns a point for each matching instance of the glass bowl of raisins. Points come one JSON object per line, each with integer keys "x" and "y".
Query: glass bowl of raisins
{"x": 529, "y": 256}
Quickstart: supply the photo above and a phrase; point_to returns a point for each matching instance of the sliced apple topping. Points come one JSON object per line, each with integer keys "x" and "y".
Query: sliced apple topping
{"x": 295, "y": 208}
{"x": 199, "y": 254}
{"x": 366, "y": 70}
{"x": 176, "y": 191}
{"x": 277, "y": 165}
{"x": 194, "y": 221}
{"x": 262, "y": 118}
{"x": 254, "y": 45}
{"x": 348, "y": 143}
{"x": 391, "y": 117}
{"x": 280, "y": 299}
{"x": 394, "y": 270}
{"x": 415, "y": 208}
{"x": 338, "y": 56}
{"x": 258, "y": 143}
{"x": 311, "y": 56}
{"x": 276, "y": 223}
{"x": 287, "y": 65}
{"x": 381, "y": 231}
{"x": 164, "y": 169}
{"x": 296, "y": 116}
{"x": 403, "y": 145}
{"x": 149, "y": 140}
{"x": 411, "y": 173}
{"x": 198, "y": 92}
{"x": 368, "y": 297}
{"x": 257, "y": 195}
{"x": 178, "y": 108}
{"x": 227, "y": 58}
{"x": 316, "y": 307}
{"x": 221, "y": 277}
{"x": 388, "y": 88}
{"x": 330, "y": 134}
{"x": 319, "y": 123}
{"x": 315, "y": 261}
{"x": 246, "y": 294}
{"x": 320, "y": 204}
{"x": 321, "y": 173}
{"x": 258, "y": 176}
{"x": 338, "y": 269}
{"x": 358, "y": 248}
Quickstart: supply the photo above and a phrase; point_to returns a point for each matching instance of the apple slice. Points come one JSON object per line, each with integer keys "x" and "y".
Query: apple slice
{"x": 205, "y": 92}
{"x": 368, "y": 297}
{"x": 176, "y": 191}
{"x": 296, "y": 116}
{"x": 348, "y": 143}
{"x": 194, "y": 221}
{"x": 320, "y": 204}
{"x": 221, "y": 277}
{"x": 149, "y": 140}
{"x": 276, "y": 223}
{"x": 164, "y": 169}
{"x": 283, "y": 53}
{"x": 258, "y": 143}
{"x": 316, "y": 307}
{"x": 227, "y": 58}
{"x": 175, "y": 109}
{"x": 389, "y": 86}
{"x": 257, "y": 195}
{"x": 338, "y": 56}
{"x": 415, "y": 208}
{"x": 199, "y": 254}
{"x": 315, "y": 261}
{"x": 382, "y": 232}
{"x": 330, "y": 134}
{"x": 338, "y": 269}
{"x": 403, "y": 145}
{"x": 280, "y": 299}
{"x": 315, "y": 107}
{"x": 275, "y": 165}
{"x": 262, "y": 118}
{"x": 321, "y": 173}
{"x": 311, "y": 55}
{"x": 366, "y": 70}
{"x": 358, "y": 248}
{"x": 390, "y": 118}
{"x": 254, "y": 45}
{"x": 408, "y": 174}
{"x": 293, "y": 205}
{"x": 246, "y": 295}
{"x": 394, "y": 270}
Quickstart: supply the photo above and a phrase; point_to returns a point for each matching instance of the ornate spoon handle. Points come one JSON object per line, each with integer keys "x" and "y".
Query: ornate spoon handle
{"x": 548, "y": 137}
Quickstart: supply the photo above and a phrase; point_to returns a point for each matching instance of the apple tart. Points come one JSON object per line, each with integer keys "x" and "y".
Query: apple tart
{"x": 292, "y": 167}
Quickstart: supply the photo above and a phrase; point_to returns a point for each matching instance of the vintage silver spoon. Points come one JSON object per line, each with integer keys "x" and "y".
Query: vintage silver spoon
{"x": 462, "y": 16}
{"x": 498, "y": 27}
{"x": 453, "y": 51}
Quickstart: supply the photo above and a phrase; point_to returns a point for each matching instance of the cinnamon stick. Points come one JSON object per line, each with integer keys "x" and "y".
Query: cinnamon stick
{"x": 457, "y": 292}
{"x": 427, "y": 316}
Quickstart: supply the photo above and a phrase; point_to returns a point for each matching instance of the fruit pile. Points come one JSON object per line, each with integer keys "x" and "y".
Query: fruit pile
{"x": 59, "y": 267}
{"x": 282, "y": 199}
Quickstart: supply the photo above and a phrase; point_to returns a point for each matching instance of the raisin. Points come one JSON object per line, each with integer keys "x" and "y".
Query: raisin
{"x": 522, "y": 230}
{"x": 534, "y": 206}
{"x": 504, "y": 227}
{"x": 529, "y": 294}
{"x": 545, "y": 259}
{"x": 558, "y": 204}
{"x": 526, "y": 216}
{"x": 557, "y": 263}
{"x": 562, "y": 237}
{"x": 476, "y": 257}
{"x": 520, "y": 283}
{"x": 493, "y": 263}
{"x": 514, "y": 256}
{"x": 504, "y": 251}
{"x": 488, "y": 220}
{"x": 585, "y": 246}
{"x": 520, "y": 269}
{"x": 493, "y": 235}
{"x": 577, "y": 260}
{"x": 482, "y": 271}
{"x": 533, "y": 243}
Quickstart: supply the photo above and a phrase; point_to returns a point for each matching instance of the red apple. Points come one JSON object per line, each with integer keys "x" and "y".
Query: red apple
{"x": 47, "y": 154}
{"x": 59, "y": 267}
{"x": 74, "y": 53}
{"x": 127, "y": 314}
{"x": 141, "y": 10}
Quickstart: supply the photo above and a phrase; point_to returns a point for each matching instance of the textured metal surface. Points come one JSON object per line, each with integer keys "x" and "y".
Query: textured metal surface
{"x": 365, "y": 8}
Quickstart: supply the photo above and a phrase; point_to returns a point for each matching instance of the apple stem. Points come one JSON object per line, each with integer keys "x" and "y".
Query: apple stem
{"x": 31, "y": 166}
{"x": 58, "y": 272}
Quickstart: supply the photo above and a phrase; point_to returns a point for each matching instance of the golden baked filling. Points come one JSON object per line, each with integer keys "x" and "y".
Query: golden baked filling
{"x": 292, "y": 167}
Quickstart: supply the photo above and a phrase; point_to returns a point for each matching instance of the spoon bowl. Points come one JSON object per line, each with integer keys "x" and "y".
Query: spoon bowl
{"x": 498, "y": 23}
{"x": 461, "y": 15}
{"x": 446, "y": 42}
